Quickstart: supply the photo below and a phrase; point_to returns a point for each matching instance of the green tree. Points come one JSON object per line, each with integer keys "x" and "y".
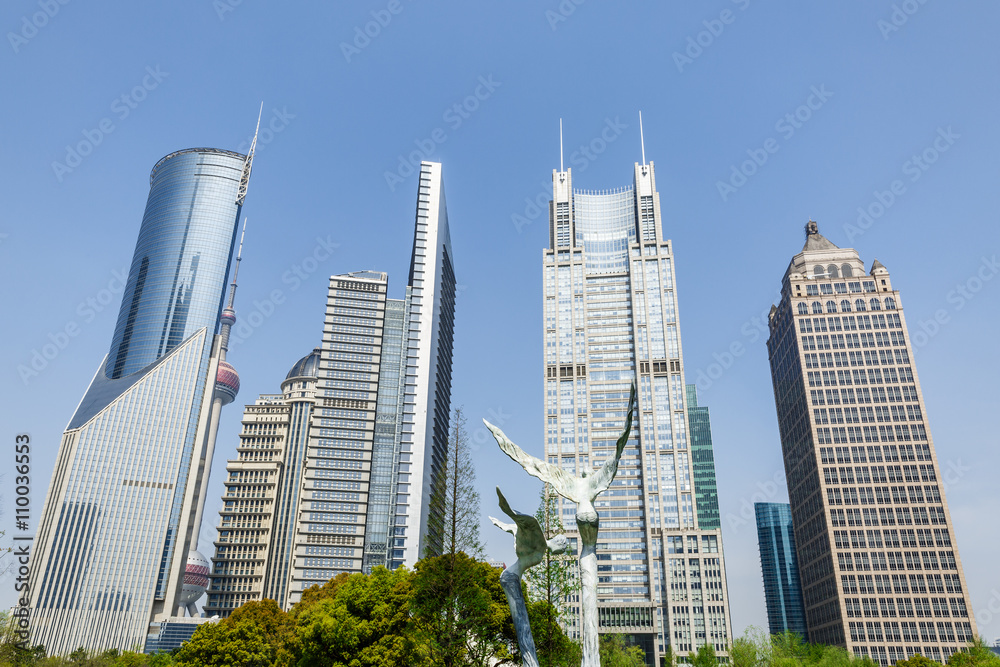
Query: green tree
{"x": 918, "y": 661}
{"x": 253, "y": 636}
{"x": 558, "y": 650}
{"x": 704, "y": 657}
{"x": 455, "y": 499}
{"x": 360, "y": 621}
{"x": 552, "y": 581}
{"x": 977, "y": 654}
{"x": 462, "y": 612}
{"x": 615, "y": 652}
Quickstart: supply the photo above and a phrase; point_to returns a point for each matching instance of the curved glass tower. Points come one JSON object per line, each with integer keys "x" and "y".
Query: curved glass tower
{"x": 181, "y": 257}
{"x": 117, "y": 523}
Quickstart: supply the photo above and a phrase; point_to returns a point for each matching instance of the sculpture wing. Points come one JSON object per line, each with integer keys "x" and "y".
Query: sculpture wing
{"x": 602, "y": 479}
{"x": 506, "y": 527}
{"x": 563, "y": 482}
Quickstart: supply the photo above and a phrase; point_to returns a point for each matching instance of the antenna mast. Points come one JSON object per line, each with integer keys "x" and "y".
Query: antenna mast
{"x": 560, "y": 147}
{"x": 642, "y": 140}
{"x": 248, "y": 163}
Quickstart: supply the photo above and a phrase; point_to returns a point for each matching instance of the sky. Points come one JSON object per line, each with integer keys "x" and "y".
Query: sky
{"x": 877, "y": 119}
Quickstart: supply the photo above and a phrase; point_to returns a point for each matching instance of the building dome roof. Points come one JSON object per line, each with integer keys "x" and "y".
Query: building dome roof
{"x": 307, "y": 366}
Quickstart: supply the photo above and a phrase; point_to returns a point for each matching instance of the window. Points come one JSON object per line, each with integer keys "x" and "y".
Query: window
{"x": 832, "y": 270}
{"x": 831, "y": 307}
{"x": 845, "y": 306}
{"x": 846, "y": 271}
{"x": 803, "y": 309}
{"x": 817, "y": 308}
{"x": 890, "y": 303}
{"x": 859, "y": 305}
{"x": 876, "y": 304}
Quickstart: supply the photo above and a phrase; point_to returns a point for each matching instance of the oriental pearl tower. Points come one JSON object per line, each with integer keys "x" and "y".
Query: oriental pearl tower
{"x": 227, "y": 386}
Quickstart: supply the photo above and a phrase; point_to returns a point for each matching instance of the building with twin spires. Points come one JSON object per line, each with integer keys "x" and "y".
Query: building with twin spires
{"x": 335, "y": 473}
{"x": 612, "y": 317}
{"x": 126, "y": 494}
{"x": 876, "y": 548}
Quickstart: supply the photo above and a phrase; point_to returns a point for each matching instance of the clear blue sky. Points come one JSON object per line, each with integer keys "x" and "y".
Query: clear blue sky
{"x": 193, "y": 74}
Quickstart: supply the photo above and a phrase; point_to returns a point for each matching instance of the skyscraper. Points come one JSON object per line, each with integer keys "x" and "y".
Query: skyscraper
{"x": 333, "y": 474}
{"x": 879, "y": 566}
{"x": 611, "y": 316}
{"x": 117, "y": 524}
{"x": 706, "y": 490}
{"x": 780, "y": 568}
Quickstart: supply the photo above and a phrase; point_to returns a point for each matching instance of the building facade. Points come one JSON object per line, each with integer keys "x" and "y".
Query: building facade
{"x": 118, "y": 520}
{"x": 878, "y": 561}
{"x": 334, "y": 474}
{"x": 780, "y": 569}
{"x": 706, "y": 489}
{"x": 611, "y": 318}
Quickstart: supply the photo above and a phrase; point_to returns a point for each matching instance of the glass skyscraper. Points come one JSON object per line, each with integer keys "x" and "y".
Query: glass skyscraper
{"x": 117, "y": 523}
{"x": 611, "y": 318}
{"x": 780, "y": 568}
{"x": 334, "y": 474}
{"x": 876, "y": 548}
{"x": 706, "y": 490}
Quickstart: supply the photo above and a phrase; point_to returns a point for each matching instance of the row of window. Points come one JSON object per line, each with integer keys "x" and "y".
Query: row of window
{"x": 885, "y": 516}
{"x": 839, "y": 434}
{"x": 906, "y": 393}
{"x": 900, "y": 584}
{"x": 860, "y": 376}
{"x": 879, "y": 474}
{"x": 850, "y": 323}
{"x": 883, "y": 495}
{"x": 876, "y": 454}
{"x": 906, "y": 607}
{"x": 911, "y": 632}
{"x": 896, "y": 560}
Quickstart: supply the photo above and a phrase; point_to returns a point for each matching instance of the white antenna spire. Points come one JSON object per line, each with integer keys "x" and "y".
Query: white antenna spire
{"x": 642, "y": 140}
{"x": 248, "y": 163}
{"x": 560, "y": 146}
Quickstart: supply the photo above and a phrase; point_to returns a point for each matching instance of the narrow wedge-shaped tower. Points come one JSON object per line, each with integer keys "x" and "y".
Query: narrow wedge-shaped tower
{"x": 876, "y": 548}
{"x": 116, "y": 529}
{"x": 611, "y": 316}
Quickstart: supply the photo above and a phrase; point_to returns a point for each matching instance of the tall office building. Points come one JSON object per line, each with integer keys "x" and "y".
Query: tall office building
{"x": 780, "y": 568}
{"x": 334, "y": 474}
{"x": 706, "y": 489}
{"x": 879, "y": 566}
{"x": 119, "y": 517}
{"x": 611, "y": 317}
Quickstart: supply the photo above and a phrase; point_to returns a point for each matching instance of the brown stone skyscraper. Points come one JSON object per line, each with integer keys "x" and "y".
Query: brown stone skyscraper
{"x": 877, "y": 554}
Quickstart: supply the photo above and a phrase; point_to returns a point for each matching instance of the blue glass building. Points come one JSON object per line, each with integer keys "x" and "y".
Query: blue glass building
{"x": 782, "y": 587}
{"x": 117, "y": 523}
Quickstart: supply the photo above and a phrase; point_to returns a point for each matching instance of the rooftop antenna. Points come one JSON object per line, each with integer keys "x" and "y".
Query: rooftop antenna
{"x": 642, "y": 141}
{"x": 248, "y": 163}
{"x": 560, "y": 146}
